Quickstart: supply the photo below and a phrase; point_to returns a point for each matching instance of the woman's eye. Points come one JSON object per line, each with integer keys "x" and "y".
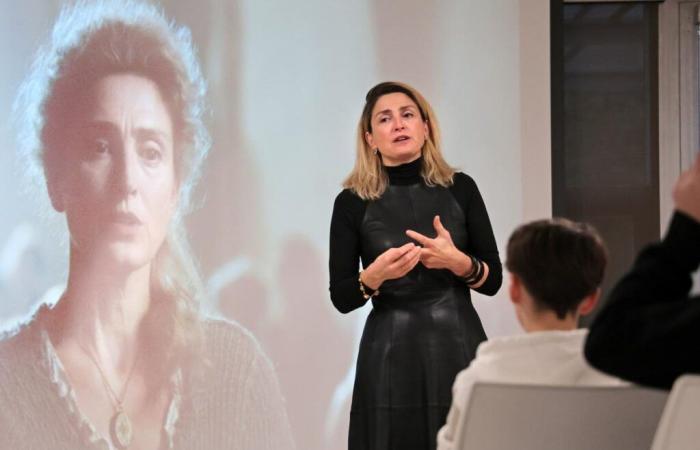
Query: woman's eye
{"x": 151, "y": 154}
{"x": 408, "y": 114}
{"x": 383, "y": 119}
{"x": 101, "y": 146}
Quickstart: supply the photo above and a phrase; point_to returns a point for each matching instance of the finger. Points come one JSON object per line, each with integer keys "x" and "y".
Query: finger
{"x": 407, "y": 247}
{"x": 437, "y": 224}
{"x": 425, "y": 254}
{"x": 410, "y": 264}
{"x": 415, "y": 253}
{"x": 394, "y": 254}
{"x": 400, "y": 264}
{"x": 413, "y": 265}
{"x": 423, "y": 240}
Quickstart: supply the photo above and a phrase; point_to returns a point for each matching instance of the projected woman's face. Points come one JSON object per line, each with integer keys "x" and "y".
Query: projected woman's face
{"x": 119, "y": 187}
{"x": 398, "y": 130}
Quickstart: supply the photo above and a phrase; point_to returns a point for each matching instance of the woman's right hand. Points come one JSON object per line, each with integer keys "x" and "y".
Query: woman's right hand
{"x": 393, "y": 263}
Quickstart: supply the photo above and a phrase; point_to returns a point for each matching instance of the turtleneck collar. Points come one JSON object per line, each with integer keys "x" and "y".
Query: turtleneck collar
{"x": 405, "y": 174}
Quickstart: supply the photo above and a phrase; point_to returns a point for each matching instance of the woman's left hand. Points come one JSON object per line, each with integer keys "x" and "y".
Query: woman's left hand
{"x": 440, "y": 252}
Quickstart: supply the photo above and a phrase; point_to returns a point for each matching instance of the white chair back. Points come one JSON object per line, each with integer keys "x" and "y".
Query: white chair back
{"x": 679, "y": 428}
{"x": 527, "y": 417}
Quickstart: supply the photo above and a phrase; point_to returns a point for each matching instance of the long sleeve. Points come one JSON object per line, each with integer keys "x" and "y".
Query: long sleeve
{"x": 482, "y": 243}
{"x": 344, "y": 254}
{"x": 649, "y": 330}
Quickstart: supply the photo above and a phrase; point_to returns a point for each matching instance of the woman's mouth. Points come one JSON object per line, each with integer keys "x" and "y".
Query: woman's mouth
{"x": 124, "y": 222}
{"x": 402, "y": 138}
{"x": 126, "y": 218}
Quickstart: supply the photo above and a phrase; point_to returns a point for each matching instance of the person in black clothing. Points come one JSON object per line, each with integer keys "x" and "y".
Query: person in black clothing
{"x": 650, "y": 327}
{"x": 423, "y": 236}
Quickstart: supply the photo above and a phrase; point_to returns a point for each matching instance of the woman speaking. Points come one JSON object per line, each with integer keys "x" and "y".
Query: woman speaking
{"x": 423, "y": 236}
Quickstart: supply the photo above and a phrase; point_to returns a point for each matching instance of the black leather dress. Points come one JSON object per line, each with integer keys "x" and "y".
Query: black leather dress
{"x": 422, "y": 329}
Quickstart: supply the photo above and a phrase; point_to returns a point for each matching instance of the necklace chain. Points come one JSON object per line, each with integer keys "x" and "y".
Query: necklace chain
{"x": 120, "y": 427}
{"x": 117, "y": 401}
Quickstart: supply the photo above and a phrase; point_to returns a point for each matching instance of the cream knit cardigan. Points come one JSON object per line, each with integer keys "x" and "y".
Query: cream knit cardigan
{"x": 236, "y": 405}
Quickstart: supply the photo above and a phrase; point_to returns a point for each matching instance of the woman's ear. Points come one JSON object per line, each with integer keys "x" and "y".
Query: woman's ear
{"x": 369, "y": 139}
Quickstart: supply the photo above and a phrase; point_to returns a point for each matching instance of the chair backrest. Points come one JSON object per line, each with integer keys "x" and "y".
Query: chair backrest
{"x": 528, "y": 417}
{"x": 678, "y": 428}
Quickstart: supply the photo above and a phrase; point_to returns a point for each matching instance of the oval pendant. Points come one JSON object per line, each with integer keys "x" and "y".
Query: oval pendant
{"x": 121, "y": 430}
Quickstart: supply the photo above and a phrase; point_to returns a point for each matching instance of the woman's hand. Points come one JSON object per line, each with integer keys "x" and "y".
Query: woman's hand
{"x": 393, "y": 263}
{"x": 440, "y": 252}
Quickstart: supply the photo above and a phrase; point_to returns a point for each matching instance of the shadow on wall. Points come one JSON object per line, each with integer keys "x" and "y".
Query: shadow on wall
{"x": 308, "y": 344}
{"x": 311, "y": 349}
{"x": 230, "y": 189}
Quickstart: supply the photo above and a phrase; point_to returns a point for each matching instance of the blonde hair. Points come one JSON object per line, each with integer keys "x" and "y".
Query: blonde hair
{"x": 368, "y": 178}
{"x": 92, "y": 39}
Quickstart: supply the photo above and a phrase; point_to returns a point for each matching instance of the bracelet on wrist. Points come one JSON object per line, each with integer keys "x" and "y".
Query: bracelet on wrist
{"x": 363, "y": 289}
{"x": 479, "y": 273}
{"x": 476, "y": 273}
{"x": 471, "y": 272}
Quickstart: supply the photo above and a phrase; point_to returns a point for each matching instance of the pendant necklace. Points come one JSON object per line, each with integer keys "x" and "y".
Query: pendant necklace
{"x": 120, "y": 427}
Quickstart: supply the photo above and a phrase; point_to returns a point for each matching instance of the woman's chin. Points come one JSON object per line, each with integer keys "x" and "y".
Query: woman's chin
{"x": 403, "y": 156}
{"x": 125, "y": 257}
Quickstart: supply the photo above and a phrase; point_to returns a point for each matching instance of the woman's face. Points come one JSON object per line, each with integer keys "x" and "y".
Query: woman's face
{"x": 398, "y": 130}
{"x": 118, "y": 186}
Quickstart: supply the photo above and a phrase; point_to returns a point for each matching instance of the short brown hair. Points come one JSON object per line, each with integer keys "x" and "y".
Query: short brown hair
{"x": 559, "y": 262}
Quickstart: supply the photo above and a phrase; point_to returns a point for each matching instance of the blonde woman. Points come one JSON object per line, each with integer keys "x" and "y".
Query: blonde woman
{"x": 113, "y": 117}
{"x": 422, "y": 234}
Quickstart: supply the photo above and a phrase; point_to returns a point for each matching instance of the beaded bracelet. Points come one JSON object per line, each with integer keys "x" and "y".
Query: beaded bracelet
{"x": 363, "y": 288}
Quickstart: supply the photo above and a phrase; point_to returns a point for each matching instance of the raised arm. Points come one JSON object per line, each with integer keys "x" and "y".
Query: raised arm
{"x": 649, "y": 330}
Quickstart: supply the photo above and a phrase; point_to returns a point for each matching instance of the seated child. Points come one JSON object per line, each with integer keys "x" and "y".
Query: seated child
{"x": 556, "y": 267}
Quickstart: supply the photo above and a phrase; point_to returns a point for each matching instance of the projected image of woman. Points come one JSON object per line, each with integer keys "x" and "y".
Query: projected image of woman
{"x": 423, "y": 236}
{"x": 113, "y": 115}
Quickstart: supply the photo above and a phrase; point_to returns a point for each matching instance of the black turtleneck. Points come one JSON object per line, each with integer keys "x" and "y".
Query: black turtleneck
{"x": 345, "y": 240}
{"x": 405, "y": 174}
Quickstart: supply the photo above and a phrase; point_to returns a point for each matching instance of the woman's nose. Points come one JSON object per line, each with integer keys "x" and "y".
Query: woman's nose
{"x": 399, "y": 123}
{"x": 126, "y": 172}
